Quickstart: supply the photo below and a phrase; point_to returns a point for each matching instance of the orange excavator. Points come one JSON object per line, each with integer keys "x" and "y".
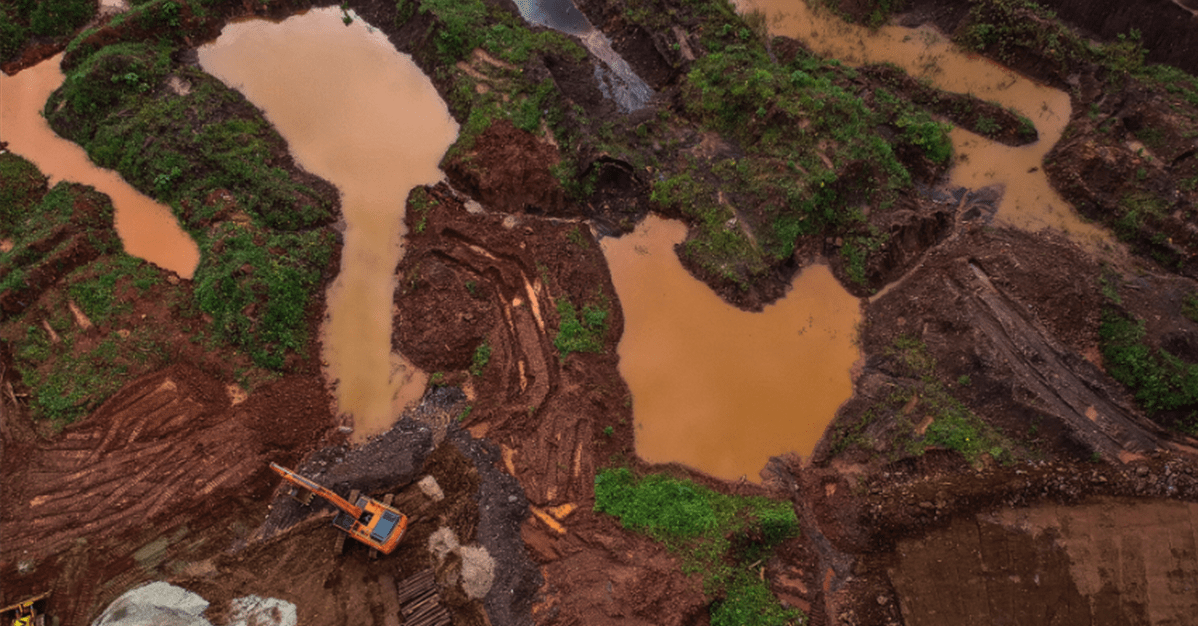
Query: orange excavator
{"x": 373, "y": 523}
{"x": 30, "y": 612}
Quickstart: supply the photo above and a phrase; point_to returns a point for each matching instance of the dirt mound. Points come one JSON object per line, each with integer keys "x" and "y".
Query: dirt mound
{"x": 1005, "y": 318}
{"x": 509, "y": 170}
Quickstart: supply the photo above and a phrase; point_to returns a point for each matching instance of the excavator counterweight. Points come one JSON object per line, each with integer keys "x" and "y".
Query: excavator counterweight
{"x": 369, "y": 521}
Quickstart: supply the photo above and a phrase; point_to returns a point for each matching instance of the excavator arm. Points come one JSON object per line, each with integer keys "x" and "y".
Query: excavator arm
{"x": 328, "y": 494}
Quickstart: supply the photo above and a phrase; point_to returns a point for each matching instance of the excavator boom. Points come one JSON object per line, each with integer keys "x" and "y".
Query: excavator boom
{"x": 374, "y": 523}
{"x": 327, "y": 494}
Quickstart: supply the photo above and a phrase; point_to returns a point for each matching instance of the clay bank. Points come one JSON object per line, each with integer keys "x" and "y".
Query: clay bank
{"x": 361, "y": 115}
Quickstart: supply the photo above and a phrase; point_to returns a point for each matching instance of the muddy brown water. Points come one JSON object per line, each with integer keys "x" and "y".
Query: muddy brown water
{"x": 1029, "y": 201}
{"x": 363, "y": 116}
{"x": 718, "y": 388}
{"x": 147, "y": 229}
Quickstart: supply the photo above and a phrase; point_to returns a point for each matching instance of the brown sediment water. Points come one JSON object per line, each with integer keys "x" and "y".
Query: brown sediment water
{"x": 1029, "y": 202}
{"x": 147, "y": 229}
{"x": 360, "y": 114}
{"x": 718, "y": 388}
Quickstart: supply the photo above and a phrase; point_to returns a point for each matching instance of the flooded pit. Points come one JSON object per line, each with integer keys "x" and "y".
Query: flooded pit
{"x": 361, "y": 115}
{"x": 1028, "y": 202}
{"x": 147, "y": 229}
{"x": 721, "y": 389}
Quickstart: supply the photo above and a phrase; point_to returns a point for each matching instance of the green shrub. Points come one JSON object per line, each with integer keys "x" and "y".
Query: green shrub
{"x": 1160, "y": 381}
{"x": 716, "y": 535}
{"x": 580, "y": 334}
{"x": 52, "y": 18}
{"x": 482, "y": 356}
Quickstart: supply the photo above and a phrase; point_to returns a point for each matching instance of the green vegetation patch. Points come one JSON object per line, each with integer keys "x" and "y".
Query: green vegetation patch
{"x": 258, "y": 285}
{"x": 46, "y": 229}
{"x": 580, "y": 333}
{"x": 21, "y": 185}
{"x": 1004, "y": 28}
{"x": 185, "y": 139}
{"x": 812, "y": 157}
{"x": 22, "y": 19}
{"x": 953, "y": 426}
{"x": 482, "y": 356}
{"x": 721, "y": 537}
{"x": 179, "y": 147}
{"x": 469, "y": 24}
{"x": 1159, "y": 380}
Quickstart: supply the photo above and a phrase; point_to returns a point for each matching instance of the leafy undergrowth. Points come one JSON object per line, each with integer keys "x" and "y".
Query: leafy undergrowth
{"x": 718, "y": 536}
{"x": 185, "y": 139}
{"x": 21, "y": 20}
{"x": 1161, "y": 382}
{"x": 581, "y": 333}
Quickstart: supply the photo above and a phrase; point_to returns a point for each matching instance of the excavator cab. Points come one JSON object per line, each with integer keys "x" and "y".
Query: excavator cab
{"x": 30, "y": 612}
{"x": 371, "y": 522}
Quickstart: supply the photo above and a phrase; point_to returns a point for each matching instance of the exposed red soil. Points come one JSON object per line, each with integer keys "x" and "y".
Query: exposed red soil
{"x": 155, "y": 459}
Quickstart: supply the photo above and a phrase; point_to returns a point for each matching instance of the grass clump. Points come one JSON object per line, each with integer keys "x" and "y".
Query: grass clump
{"x": 716, "y": 535}
{"x": 1159, "y": 380}
{"x": 580, "y": 333}
{"x": 482, "y": 356}
{"x": 22, "y": 184}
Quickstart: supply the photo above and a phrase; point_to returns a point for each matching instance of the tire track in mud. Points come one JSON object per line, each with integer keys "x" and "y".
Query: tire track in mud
{"x": 155, "y": 477}
{"x": 544, "y": 410}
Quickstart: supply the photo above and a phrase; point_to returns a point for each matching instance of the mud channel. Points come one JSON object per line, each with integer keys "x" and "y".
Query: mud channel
{"x": 147, "y": 229}
{"x": 362, "y": 115}
{"x": 721, "y": 389}
{"x": 1028, "y": 201}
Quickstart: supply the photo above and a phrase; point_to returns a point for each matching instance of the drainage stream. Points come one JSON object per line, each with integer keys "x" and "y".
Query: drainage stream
{"x": 617, "y": 80}
{"x": 1028, "y": 202}
{"x": 147, "y": 229}
{"x": 718, "y": 388}
{"x": 359, "y": 114}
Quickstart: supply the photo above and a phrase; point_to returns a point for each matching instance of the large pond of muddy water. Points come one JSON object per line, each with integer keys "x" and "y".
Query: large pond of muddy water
{"x": 147, "y": 229}
{"x": 361, "y": 115}
{"x": 718, "y": 388}
{"x": 1029, "y": 202}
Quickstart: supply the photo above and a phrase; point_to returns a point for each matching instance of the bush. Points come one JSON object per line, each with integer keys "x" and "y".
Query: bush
{"x": 1160, "y": 381}
{"x": 697, "y": 523}
{"x": 577, "y": 334}
{"x": 52, "y": 18}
